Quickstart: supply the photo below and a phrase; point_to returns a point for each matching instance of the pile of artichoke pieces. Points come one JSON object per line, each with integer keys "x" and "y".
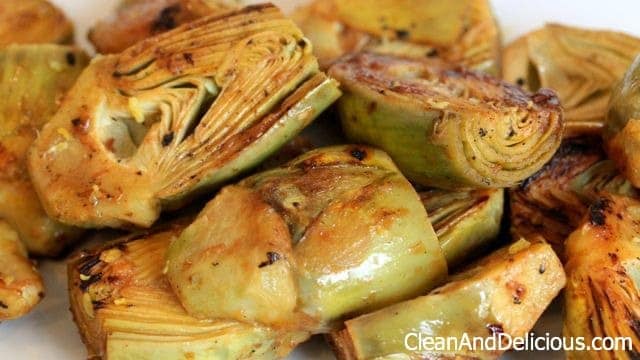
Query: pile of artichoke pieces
{"x": 452, "y": 202}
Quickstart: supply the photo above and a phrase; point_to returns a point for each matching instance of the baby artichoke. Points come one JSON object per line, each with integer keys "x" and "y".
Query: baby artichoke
{"x": 622, "y": 130}
{"x": 337, "y": 231}
{"x": 176, "y": 115}
{"x": 465, "y": 221}
{"x": 447, "y": 128}
{"x": 125, "y": 309}
{"x": 603, "y": 271}
{"x": 21, "y": 287}
{"x": 503, "y": 293}
{"x": 459, "y": 31}
{"x": 581, "y": 65}
{"x": 554, "y": 200}
{"x": 31, "y": 22}
{"x": 136, "y": 20}
{"x": 33, "y": 81}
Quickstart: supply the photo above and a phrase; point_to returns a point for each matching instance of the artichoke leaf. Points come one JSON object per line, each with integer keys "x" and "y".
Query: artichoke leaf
{"x": 33, "y": 80}
{"x": 581, "y": 65}
{"x": 337, "y": 231}
{"x": 553, "y": 201}
{"x": 447, "y": 128}
{"x": 465, "y": 221}
{"x": 33, "y": 22}
{"x": 125, "y": 308}
{"x": 136, "y": 20}
{"x": 505, "y": 292}
{"x": 460, "y": 31}
{"x": 175, "y": 116}
{"x": 602, "y": 298}
{"x": 21, "y": 287}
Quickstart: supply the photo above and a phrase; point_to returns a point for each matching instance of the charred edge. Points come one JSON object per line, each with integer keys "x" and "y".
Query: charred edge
{"x": 545, "y": 97}
{"x": 432, "y": 53}
{"x": 71, "y": 58}
{"x": 597, "y": 211}
{"x": 520, "y": 81}
{"x": 635, "y": 326}
{"x": 495, "y": 329}
{"x": 88, "y": 264}
{"x": 482, "y": 132}
{"x": 98, "y": 304}
{"x": 188, "y": 58}
{"x": 166, "y": 20}
{"x": 167, "y": 139}
{"x": 84, "y": 284}
{"x": 359, "y": 154}
{"x": 402, "y": 34}
{"x": 272, "y": 257}
{"x": 3, "y": 305}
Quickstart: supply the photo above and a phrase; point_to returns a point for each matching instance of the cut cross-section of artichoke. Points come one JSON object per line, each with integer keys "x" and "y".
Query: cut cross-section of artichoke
{"x": 33, "y": 80}
{"x": 602, "y": 298}
{"x": 504, "y": 293}
{"x": 136, "y": 20}
{"x": 176, "y": 115}
{"x": 460, "y": 31}
{"x": 465, "y": 220}
{"x": 125, "y": 309}
{"x": 21, "y": 287}
{"x": 581, "y": 65}
{"x": 554, "y": 200}
{"x": 337, "y": 231}
{"x": 448, "y": 128}
{"x": 33, "y": 22}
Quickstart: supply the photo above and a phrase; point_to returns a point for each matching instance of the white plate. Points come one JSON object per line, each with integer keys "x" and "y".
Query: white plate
{"x": 49, "y": 332}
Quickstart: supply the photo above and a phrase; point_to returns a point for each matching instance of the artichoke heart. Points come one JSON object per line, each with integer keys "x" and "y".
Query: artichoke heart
{"x": 125, "y": 309}
{"x": 33, "y": 80}
{"x": 622, "y": 128}
{"x": 447, "y": 128}
{"x": 136, "y": 20}
{"x": 459, "y": 31}
{"x": 33, "y": 22}
{"x": 602, "y": 298}
{"x": 581, "y": 65}
{"x": 176, "y": 115}
{"x": 505, "y": 292}
{"x": 554, "y": 200}
{"x": 337, "y": 231}
{"x": 21, "y": 287}
{"x": 465, "y": 221}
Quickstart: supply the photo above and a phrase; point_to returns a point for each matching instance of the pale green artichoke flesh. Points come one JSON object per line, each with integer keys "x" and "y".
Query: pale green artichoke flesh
{"x": 33, "y": 81}
{"x": 337, "y": 231}
{"x": 175, "y": 116}
{"x": 447, "y": 128}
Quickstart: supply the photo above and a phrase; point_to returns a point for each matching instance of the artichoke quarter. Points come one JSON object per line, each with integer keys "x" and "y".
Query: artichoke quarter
{"x": 175, "y": 115}
{"x": 459, "y": 31}
{"x": 581, "y": 65}
{"x": 553, "y": 201}
{"x": 33, "y": 22}
{"x": 622, "y": 128}
{"x": 465, "y": 221}
{"x": 136, "y": 20}
{"x": 21, "y": 287}
{"x": 447, "y": 128}
{"x": 33, "y": 80}
{"x": 505, "y": 292}
{"x": 602, "y": 297}
{"x": 125, "y": 309}
{"x": 335, "y": 232}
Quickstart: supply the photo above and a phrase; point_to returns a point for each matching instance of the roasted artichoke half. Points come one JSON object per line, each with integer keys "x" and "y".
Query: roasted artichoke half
{"x": 505, "y": 292}
{"x": 33, "y": 22}
{"x": 622, "y": 129}
{"x": 581, "y": 65}
{"x": 465, "y": 221}
{"x": 459, "y": 31}
{"x": 176, "y": 115}
{"x": 554, "y": 200}
{"x": 447, "y": 128}
{"x": 125, "y": 309}
{"x": 603, "y": 288}
{"x": 136, "y": 20}
{"x": 21, "y": 287}
{"x": 338, "y": 231}
{"x": 33, "y": 81}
